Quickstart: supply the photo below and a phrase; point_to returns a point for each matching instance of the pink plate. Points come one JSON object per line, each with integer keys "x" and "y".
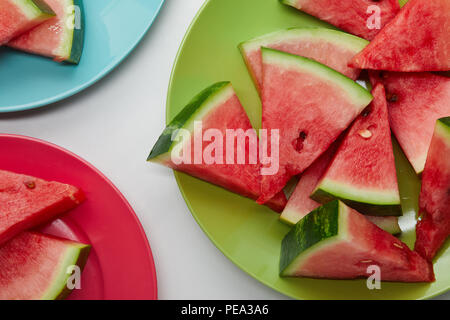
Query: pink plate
{"x": 120, "y": 265}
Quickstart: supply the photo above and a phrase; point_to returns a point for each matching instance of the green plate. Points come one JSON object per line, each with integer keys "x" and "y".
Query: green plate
{"x": 248, "y": 234}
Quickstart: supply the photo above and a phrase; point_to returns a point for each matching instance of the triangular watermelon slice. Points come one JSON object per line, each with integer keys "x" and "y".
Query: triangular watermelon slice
{"x": 34, "y": 266}
{"x": 18, "y": 16}
{"x": 362, "y": 174}
{"x": 310, "y": 105}
{"x": 337, "y": 242}
{"x": 26, "y": 202}
{"x": 217, "y": 108}
{"x": 415, "y": 102}
{"x": 330, "y": 47}
{"x": 60, "y": 38}
{"x": 353, "y": 16}
{"x": 418, "y": 39}
{"x": 300, "y": 204}
{"x": 434, "y": 226}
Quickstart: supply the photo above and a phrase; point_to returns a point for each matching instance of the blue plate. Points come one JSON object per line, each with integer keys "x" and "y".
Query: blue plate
{"x": 113, "y": 29}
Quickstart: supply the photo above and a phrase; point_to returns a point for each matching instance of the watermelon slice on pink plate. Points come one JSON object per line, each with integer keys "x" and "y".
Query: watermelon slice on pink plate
{"x": 97, "y": 222}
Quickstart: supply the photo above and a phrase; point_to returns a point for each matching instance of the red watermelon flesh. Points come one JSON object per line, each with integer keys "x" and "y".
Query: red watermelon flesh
{"x": 34, "y": 266}
{"x": 330, "y": 47}
{"x": 363, "y": 174}
{"x": 434, "y": 226}
{"x": 17, "y": 17}
{"x": 417, "y": 39}
{"x": 415, "y": 102}
{"x": 54, "y": 38}
{"x": 300, "y": 203}
{"x": 26, "y": 202}
{"x": 349, "y": 15}
{"x": 310, "y": 104}
{"x": 218, "y": 108}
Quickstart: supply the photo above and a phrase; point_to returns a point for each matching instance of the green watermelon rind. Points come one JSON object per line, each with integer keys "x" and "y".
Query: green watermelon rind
{"x": 71, "y": 48}
{"x": 196, "y": 109}
{"x": 35, "y": 9}
{"x": 76, "y": 254}
{"x": 292, "y": 3}
{"x": 443, "y": 128}
{"x": 365, "y": 201}
{"x": 339, "y": 38}
{"x": 290, "y": 218}
{"x": 317, "y": 230}
{"x": 357, "y": 94}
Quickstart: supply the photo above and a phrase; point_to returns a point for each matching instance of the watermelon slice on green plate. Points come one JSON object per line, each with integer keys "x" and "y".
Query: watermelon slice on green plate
{"x": 354, "y": 16}
{"x": 415, "y": 101}
{"x": 313, "y": 43}
{"x": 18, "y": 16}
{"x": 300, "y": 204}
{"x": 61, "y": 37}
{"x": 247, "y": 234}
{"x": 308, "y": 120}
{"x": 434, "y": 225}
{"x": 35, "y": 266}
{"x": 28, "y": 202}
{"x": 215, "y": 108}
{"x": 362, "y": 173}
{"x": 417, "y": 39}
{"x": 337, "y": 242}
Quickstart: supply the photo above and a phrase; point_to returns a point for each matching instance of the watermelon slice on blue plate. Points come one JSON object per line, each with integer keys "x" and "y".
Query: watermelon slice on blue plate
{"x": 60, "y": 38}
{"x": 18, "y": 16}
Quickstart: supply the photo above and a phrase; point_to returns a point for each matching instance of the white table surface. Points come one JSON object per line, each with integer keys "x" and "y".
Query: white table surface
{"x": 113, "y": 125}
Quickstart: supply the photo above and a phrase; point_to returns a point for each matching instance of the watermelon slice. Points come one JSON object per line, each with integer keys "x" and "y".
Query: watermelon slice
{"x": 35, "y": 266}
{"x": 28, "y": 201}
{"x": 60, "y": 38}
{"x": 362, "y": 174}
{"x": 300, "y": 203}
{"x": 434, "y": 226}
{"x": 415, "y": 101}
{"x": 310, "y": 104}
{"x": 418, "y": 39}
{"x": 218, "y": 108}
{"x": 18, "y": 16}
{"x": 336, "y": 242}
{"x": 349, "y": 15}
{"x": 330, "y": 47}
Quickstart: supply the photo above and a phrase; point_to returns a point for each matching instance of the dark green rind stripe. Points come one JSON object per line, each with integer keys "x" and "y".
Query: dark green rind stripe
{"x": 445, "y": 121}
{"x": 317, "y": 226}
{"x": 164, "y": 142}
{"x": 78, "y": 36}
{"x": 371, "y": 209}
{"x": 44, "y": 7}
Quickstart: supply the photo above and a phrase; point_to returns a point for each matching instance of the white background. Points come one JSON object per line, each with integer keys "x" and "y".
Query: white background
{"x": 113, "y": 125}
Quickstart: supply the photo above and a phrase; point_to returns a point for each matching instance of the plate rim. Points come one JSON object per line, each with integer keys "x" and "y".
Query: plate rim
{"x": 178, "y": 175}
{"x": 103, "y": 73}
{"x": 111, "y": 184}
